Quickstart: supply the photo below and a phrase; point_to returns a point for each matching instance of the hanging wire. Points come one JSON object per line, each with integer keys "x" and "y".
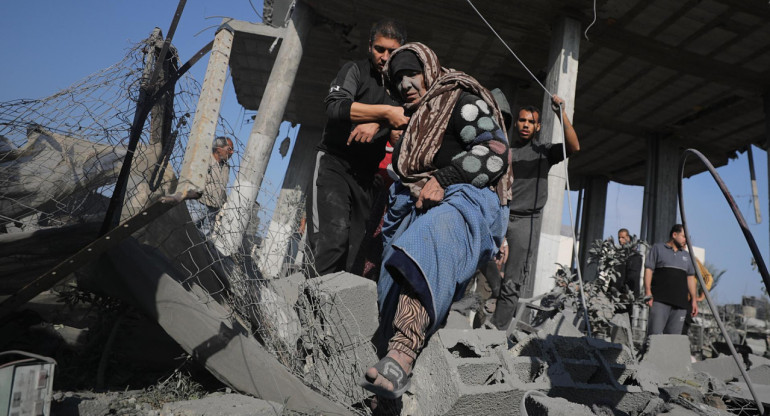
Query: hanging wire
{"x": 509, "y": 49}
{"x": 592, "y": 23}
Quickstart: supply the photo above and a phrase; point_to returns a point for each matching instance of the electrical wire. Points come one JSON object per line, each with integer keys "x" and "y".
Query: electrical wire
{"x": 509, "y": 48}
{"x": 592, "y": 23}
{"x": 752, "y": 246}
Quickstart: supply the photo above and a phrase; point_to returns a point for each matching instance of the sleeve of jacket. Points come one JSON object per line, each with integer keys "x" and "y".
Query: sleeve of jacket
{"x": 342, "y": 92}
{"x": 485, "y": 159}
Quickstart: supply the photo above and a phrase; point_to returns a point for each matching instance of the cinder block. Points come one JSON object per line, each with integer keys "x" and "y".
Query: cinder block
{"x": 349, "y": 303}
{"x": 461, "y": 372}
{"x": 554, "y": 406}
{"x": 339, "y": 318}
{"x": 668, "y": 355}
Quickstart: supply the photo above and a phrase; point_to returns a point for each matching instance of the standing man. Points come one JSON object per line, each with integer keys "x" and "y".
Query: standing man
{"x": 360, "y": 114}
{"x": 215, "y": 191}
{"x": 531, "y": 162}
{"x": 668, "y": 279}
{"x": 630, "y": 270}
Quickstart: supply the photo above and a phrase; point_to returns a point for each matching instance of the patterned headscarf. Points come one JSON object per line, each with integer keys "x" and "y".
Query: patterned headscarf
{"x": 425, "y": 132}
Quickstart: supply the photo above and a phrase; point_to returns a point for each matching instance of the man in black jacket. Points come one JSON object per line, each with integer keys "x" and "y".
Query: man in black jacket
{"x": 360, "y": 115}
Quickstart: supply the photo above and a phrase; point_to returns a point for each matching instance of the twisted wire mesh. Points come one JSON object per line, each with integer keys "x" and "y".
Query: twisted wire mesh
{"x": 60, "y": 157}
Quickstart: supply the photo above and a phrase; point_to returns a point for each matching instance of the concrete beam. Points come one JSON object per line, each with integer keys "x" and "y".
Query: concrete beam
{"x": 290, "y": 207}
{"x": 678, "y": 59}
{"x": 197, "y": 155}
{"x": 562, "y": 81}
{"x": 229, "y": 233}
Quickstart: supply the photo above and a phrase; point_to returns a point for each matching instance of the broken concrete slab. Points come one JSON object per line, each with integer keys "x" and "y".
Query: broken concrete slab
{"x": 223, "y": 404}
{"x": 456, "y": 320}
{"x": 756, "y": 360}
{"x": 207, "y": 331}
{"x": 760, "y": 374}
{"x": 723, "y": 367}
{"x": 739, "y": 389}
{"x": 542, "y": 405}
{"x": 668, "y": 356}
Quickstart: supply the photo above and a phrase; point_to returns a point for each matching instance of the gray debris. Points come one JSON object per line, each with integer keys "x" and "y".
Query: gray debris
{"x": 223, "y": 404}
{"x": 722, "y": 367}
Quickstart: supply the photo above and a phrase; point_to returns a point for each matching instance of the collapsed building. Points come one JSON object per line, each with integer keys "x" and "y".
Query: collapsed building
{"x": 237, "y": 305}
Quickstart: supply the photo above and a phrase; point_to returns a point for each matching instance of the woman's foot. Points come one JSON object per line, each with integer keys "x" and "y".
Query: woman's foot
{"x": 390, "y": 376}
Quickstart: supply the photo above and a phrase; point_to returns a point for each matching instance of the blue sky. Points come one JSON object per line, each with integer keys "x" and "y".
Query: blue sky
{"x": 48, "y": 45}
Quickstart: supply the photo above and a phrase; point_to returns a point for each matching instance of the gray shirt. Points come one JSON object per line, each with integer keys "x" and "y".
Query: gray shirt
{"x": 531, "y": 162}
{"x": 215, "y": 192}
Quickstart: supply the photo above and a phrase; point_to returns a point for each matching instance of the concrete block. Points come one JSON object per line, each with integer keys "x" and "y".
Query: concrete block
{"x": 349, "y": 301}
{"x": 223, "y": 404}
{"x": 668, "y": 355}
{"x": 472, "y": 342}
{"x": 723, "y": 368}
{"x": 461, "y": 372}
{"x": 612, "y": 352}
{"x": 531, "y": 346}
{"x": 537, "y": 405}
{"x": 739, "y": 389}
{"x": 558, "y": 325}
{"x": 623, "y": 401}
{"x": 760, "y": 374}
{"x": 528, "y": 370}
{"x": 456, "y": 320}
{"x": 289, "y": 287}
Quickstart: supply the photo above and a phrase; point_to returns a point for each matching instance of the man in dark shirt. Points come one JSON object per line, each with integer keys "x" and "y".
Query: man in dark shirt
{"x": 531, "y": 162}
{"x": 668, "y": 277}
{"x": 360, "y": 114}
{"x": 630, "y": 270}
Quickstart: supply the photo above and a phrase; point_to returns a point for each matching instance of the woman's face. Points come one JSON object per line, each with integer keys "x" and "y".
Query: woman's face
{"x": 411, "y": 85}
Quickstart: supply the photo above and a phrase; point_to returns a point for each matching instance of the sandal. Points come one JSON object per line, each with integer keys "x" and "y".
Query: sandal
{"x": 393, "y": 372}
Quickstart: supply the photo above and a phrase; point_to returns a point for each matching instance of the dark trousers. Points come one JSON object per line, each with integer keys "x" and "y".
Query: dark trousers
{"x": 338, "y": 204}
{"x": 523, "y": 237}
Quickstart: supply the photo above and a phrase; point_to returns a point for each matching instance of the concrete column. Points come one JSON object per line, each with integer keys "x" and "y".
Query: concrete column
{"x": 562, "y": 81}
{"x": 229, "y": 231}
{"x": 662, "y": 204}
{"x": 197, "y": 155}
{"x": 766, "y": 106}
{"x": 290, "y": 207}
{"x": 594, "y": 208}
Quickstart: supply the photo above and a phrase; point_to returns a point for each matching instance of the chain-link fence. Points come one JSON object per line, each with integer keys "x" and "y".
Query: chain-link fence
{"x": 60, "y": 158}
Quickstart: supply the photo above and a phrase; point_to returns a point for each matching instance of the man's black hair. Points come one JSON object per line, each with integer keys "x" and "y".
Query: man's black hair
{"x": 624, "y": 230}
{"x": 531, "y": 109}
{"x": 677, "y": 228}
{"x": 388, "y": 28}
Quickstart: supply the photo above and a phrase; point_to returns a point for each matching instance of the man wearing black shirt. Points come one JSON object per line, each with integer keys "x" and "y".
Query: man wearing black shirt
{"x": 360, "y": 114}
{"x": 668, "y": 277}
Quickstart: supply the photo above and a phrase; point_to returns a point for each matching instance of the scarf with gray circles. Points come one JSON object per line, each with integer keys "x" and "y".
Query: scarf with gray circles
{"x": 425, "y": 132}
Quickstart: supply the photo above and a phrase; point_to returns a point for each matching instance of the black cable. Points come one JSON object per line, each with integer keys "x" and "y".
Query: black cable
{"x": 752, "y": 246}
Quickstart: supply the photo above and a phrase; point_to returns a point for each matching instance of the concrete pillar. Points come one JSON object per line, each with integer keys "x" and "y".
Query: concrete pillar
{"x": 290, "y": 207}
{"x": 228, "y": 234}
{"x": 766, "y": 106}
{"x": 663, "y": 185}
{"x": 594, "y": 208}
{"x": 562, "y": 81}
{"x": 197, "y": 155}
